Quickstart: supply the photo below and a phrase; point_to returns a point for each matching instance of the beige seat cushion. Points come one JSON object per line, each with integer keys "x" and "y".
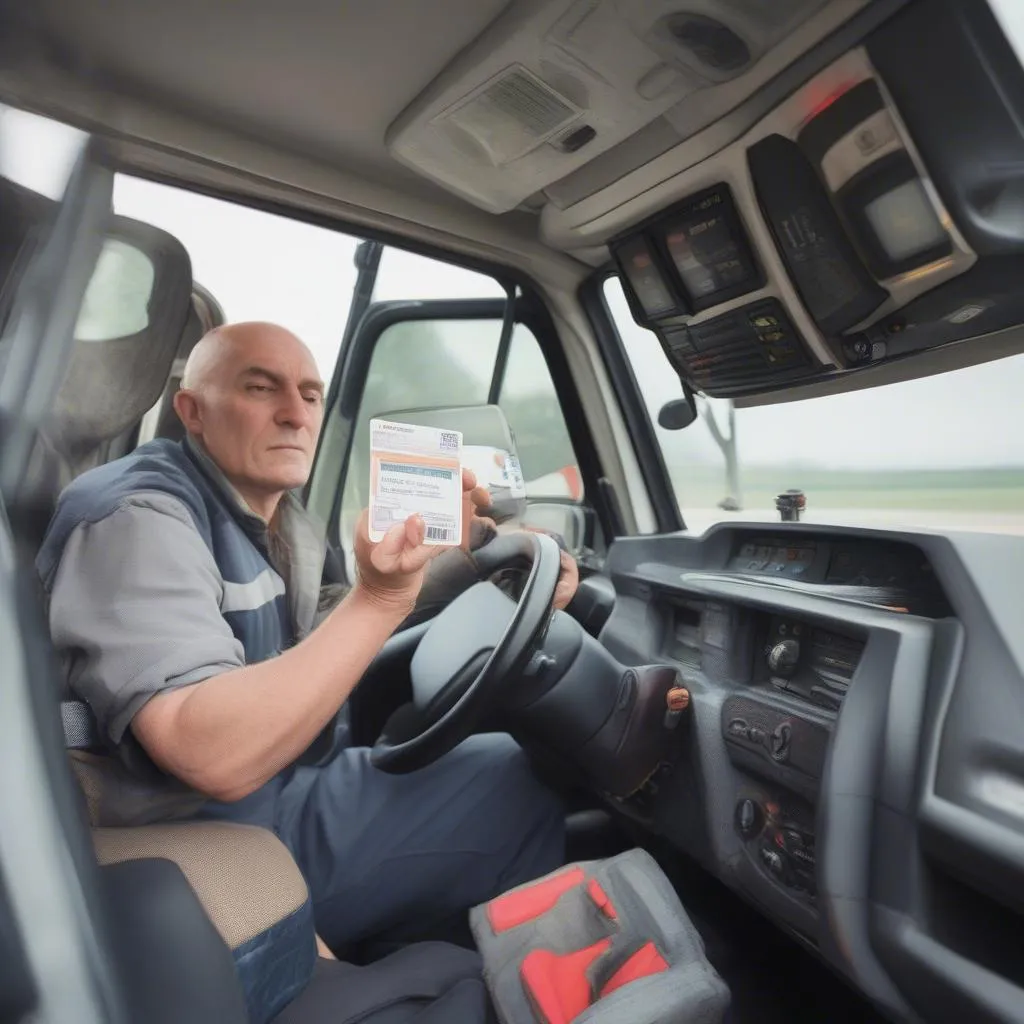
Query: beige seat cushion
{"x": 244, "y": 876}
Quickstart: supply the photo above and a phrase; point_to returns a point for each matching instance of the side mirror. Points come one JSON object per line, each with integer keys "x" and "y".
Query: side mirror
{"x": 678, "y": 414}
{"x": 567, "y": 521}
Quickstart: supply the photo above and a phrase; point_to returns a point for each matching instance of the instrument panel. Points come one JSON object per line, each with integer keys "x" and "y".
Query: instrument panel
{"x": 693, "y": 256}
{"x": 878, "y": 571}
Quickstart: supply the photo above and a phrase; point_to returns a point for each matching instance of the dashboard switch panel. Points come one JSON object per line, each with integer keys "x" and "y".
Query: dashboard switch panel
{"x": 775, "y": 736}
{"x": 747, "y": 345}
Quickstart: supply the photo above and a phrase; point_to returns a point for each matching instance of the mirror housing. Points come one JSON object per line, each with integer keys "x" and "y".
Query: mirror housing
{"x": 567, "y": 521}
{"x": 679, "y": 413}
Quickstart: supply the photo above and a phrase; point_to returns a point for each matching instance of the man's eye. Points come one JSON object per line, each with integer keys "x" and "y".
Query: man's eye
{"x": 313, "y": 397}
{"x": 258, "y": 387}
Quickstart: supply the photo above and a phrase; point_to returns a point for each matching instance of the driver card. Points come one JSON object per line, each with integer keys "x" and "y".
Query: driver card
{"x": 416, "y": 470}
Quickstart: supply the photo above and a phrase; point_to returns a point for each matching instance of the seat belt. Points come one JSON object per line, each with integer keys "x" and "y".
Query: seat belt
{"x": 80, "y": 729}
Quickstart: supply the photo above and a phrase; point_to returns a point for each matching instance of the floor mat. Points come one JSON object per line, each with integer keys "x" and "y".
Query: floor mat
{"x": 772, "y": 979}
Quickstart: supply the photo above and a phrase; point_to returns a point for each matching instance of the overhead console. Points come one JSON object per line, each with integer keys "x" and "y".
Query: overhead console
{"x": 820, "y": 243}
{"x": 557, "y": 90}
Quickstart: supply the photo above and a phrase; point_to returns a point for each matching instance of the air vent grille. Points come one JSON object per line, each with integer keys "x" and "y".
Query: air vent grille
{"x": 685, "y": 645}
{"x": 525, "y": 100}
{"x": 833, "y": 659}
{"x": 826, "y": 665}
{"x": 513, "y": 114}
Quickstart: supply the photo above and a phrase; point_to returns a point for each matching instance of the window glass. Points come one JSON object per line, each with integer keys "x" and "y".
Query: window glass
{"x": 417, "y": 364}
{"x": 943, "y": 452}
{"x": 407, "y": 276}
{"x": 531, "y": 406}
{"x": 435, "y": 363}
{"x": 37, "y": 156}
{"x": 36, "y": 152}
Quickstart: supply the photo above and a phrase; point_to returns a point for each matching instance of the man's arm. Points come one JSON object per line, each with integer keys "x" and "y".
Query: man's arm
{"x": 135, "y": 609}
{"x": 230, "y": 734}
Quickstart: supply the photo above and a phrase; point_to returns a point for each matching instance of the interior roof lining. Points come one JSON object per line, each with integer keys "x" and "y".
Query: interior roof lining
{"x": 193, "y": 154}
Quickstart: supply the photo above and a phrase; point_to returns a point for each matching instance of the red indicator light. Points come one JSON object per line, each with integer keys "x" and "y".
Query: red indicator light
{"x": 820, "y": 100}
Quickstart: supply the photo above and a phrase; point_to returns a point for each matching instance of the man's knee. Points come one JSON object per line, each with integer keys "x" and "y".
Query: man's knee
{"x": 531, "y": 815}
{"x": 506, "y": 767}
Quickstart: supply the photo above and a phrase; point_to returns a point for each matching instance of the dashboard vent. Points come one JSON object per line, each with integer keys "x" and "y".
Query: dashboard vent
{"x": 833, "y": 660}
{"x": 684, "y": 645}
{"x": 739, "y": 349}
{"x": 826, "y": 663}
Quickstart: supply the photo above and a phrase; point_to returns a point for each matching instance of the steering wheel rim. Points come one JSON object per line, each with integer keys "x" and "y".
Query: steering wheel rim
{"x": 443, "y": 726}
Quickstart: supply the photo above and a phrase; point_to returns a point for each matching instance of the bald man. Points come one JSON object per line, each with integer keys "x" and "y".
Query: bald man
{"x": 189, "y": 604}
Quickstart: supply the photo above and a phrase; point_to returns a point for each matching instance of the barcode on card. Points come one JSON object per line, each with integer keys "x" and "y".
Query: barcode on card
{"x": 449, "y": 441}
{"x": 441, "y": 533}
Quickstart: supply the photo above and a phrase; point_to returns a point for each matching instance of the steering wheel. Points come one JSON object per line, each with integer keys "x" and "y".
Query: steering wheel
{"x": 471, "y": 651}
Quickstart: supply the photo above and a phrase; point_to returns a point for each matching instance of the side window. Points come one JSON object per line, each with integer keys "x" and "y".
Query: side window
{"x": 424, "y": 363}
{"x": 417, "y": 364}
{"x": 530, "y": 403}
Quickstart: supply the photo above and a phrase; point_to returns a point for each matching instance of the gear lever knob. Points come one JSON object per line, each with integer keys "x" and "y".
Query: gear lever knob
{"x": 677, "y": 700}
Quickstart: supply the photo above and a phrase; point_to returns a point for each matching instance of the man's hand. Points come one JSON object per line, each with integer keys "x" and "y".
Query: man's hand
{"x": 568, "y": 582}
{"x": 474, "y": 524}
{"x": 568, "y": 578}
{"x": 391, "y": 570}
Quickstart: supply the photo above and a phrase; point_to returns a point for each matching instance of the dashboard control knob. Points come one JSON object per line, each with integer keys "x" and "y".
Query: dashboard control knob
{"x": 780, "y": 740}
{"x": 790, "y": 504}
{"x": 772, "y": 861}
{"x": 749, "y": 818}
{"x": 784, "y": 656}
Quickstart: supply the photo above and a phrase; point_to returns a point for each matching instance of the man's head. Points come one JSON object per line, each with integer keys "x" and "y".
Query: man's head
{"x": 252, "y": 396}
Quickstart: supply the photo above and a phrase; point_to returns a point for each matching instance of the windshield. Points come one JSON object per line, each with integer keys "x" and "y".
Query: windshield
{"x": 944, "y": 452}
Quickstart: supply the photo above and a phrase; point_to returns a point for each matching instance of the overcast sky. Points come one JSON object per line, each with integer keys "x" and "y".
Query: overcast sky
{"x": 265, "y": 267}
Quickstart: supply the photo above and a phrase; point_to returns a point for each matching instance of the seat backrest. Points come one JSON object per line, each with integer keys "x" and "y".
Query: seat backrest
{"x": 126, "y": 338}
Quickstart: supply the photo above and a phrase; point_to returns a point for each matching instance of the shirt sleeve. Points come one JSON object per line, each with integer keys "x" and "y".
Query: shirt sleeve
{"x": 135, "y": 609}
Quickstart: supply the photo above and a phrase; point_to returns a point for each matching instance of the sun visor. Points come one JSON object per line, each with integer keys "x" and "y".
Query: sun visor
{"x": 549, "y": 88}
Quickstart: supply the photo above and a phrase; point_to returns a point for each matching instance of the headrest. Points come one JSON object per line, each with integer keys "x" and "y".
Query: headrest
{"x": 126, "y": 338}
{"x": 127, "y": 333}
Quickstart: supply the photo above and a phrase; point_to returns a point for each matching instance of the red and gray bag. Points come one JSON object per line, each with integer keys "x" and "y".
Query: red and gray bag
{"x": 599, "y": 942}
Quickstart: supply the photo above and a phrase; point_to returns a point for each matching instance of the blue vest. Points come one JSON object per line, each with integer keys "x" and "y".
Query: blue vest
{"x": 255, "y": 605}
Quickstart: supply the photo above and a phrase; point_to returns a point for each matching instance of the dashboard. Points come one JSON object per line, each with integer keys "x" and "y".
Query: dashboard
{"x": 856, "y": 744}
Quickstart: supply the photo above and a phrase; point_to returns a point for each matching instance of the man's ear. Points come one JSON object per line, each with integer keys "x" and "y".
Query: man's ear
{"x": 186, "y": 405}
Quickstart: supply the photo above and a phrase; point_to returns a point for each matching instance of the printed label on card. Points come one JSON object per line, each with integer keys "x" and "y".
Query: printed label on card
{"x": 416, "y": 471}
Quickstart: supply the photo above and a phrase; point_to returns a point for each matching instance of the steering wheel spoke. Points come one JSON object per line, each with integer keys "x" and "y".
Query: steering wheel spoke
{"x": 471, "y": 651}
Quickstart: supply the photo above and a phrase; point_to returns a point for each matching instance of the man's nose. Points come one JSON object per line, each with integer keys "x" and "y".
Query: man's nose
{"x": 294, "y": 410}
